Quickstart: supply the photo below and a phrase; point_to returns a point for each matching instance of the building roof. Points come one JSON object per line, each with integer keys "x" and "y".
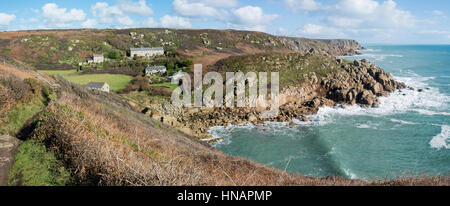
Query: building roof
{"x": 96, "y": 85}
{"x": 98, "y": 55}
{"x": 148, "y": 49}
{"x": 155, "y": 68}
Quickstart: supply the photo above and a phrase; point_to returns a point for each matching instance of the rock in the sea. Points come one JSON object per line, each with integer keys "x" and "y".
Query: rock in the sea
{"x": 252, "y": 118}
{"x": 367, "y": 98}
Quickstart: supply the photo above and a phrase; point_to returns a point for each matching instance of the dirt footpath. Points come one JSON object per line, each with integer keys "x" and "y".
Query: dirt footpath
{"x": 8, "y": 148}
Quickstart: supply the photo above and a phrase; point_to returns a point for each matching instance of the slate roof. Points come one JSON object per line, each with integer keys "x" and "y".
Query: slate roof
{"x": 95, "y": 85}
{"x": 148, "y": 49}
{"x": 155, "y": 68}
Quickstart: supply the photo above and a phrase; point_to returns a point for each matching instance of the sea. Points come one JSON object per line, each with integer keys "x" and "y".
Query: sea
{"x": 407, "y": 135}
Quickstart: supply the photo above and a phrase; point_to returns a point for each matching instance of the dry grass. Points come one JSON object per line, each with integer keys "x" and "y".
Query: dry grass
{"x": 5, "y": 68}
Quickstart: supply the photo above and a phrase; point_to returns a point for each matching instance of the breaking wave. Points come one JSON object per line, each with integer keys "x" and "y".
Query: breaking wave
{"x": 423, "y": 99}
{"x": 442, "y": 140}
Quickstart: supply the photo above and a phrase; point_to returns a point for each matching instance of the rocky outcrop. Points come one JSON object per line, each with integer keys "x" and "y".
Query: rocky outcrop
{"x": 334, "y": 47}
{"x": 358, "y": 82}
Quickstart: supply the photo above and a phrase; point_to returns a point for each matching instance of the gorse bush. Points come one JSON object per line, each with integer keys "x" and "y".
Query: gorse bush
{"x": 19, "y": 90}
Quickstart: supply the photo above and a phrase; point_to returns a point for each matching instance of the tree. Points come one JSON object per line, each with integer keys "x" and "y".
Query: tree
{"x": 113, "y": 55}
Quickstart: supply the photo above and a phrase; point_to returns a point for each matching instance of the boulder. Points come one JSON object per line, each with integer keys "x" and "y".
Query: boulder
{"x": 366, "y": 97}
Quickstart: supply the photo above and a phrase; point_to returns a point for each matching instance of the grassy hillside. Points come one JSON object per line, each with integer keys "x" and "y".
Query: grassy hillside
{"x": 64, "y": 49}
{"x": 294, "y": 68}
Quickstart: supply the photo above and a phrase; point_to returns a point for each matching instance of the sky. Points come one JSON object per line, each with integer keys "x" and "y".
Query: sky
{"x": 367, "y": 21}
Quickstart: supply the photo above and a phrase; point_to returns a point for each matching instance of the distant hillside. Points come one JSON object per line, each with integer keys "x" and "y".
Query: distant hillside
{"x": 64, "y": 49}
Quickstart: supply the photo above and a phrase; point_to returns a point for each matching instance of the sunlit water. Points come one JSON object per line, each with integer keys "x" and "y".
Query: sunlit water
{"x": 407, "y": 135}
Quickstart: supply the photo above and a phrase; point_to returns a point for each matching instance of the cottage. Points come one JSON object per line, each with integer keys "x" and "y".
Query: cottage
{"x": 155, "y": 70}
{"x": 98, "y": 58}
{"x": 146, "y": 52}
{"x": 99, "y": 86}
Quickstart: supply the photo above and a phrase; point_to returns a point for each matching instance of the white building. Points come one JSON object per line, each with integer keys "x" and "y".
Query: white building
{"x": 146, "y": 52}
{"x": 98, "y": 58}
{"x": 99, "y": 86}
{"x": 155, "y": 70}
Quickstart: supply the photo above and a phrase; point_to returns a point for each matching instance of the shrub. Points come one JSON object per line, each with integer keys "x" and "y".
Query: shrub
{"x": 19, "y": 90}
{"x": 113, "y": 55}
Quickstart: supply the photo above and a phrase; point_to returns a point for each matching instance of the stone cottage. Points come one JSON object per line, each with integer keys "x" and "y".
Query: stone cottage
{"x": 98, "y": 58}
{"x": 99, "y": 86}
{"x": 155, "y": 70}
{"x": 146, "y": 52}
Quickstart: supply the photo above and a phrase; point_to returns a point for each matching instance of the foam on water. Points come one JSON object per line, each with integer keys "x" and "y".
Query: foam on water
{"x": 350, "y": 174}
{"x": 429, "y": 101}
{"x": 377, "y": 57}
{"x": 363, "y": 126}
{"x": 402, "y": 122}
{"x": 442, "y": 140}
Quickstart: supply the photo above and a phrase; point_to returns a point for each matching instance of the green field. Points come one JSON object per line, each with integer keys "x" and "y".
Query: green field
{"x": 115, "y": 81}
{"x": 167, "y": 85}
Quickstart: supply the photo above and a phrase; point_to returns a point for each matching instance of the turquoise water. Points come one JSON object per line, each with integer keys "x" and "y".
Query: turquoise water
{"x": 409, "y": 134}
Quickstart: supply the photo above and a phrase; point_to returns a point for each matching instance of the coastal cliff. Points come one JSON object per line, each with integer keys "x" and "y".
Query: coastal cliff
{"x": 335, "y": 47}
{"x": 316, "y": 81}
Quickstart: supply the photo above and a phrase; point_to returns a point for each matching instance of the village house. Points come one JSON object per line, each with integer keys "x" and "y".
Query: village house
{"x": 152, "y": 70}
{"x": 99, "y": 86}
{"x": 98, "y": 58}
{"x": 146, "y": 52}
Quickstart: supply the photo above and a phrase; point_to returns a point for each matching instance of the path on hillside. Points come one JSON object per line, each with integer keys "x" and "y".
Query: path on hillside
{"x": 8, "y": 148}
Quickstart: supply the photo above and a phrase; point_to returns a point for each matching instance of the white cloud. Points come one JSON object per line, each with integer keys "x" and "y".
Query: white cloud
{"x": 107, "y": 14}
{"x": 150, "y": 22}
{"x": 435, "y": 33}
{"x": 174, "y": 22}
{"x": 6, "y": 20}
{"x": 251, "y": 18}
{"x": 369, "y": 14}
{"x": 61, "y": 17}
{"x": 438, "y": 13}
{"x": 357, "y": 7}
{"x": 344, "y": 22}
{"x": 138, "y": 8}
{"x": 194, "y": 9}
{"x": 439, "y": 32}
{"x": 355, "y": 17}
{"x": 251, "y": 15}
{"x": 302, "y": 5}
{"x": 90, "y": 23}
{"x": 219, "y": 3}
{"x": 126, "y": 21}
{"x": 317, "y": 31}
{"x": 117, "y": 14}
